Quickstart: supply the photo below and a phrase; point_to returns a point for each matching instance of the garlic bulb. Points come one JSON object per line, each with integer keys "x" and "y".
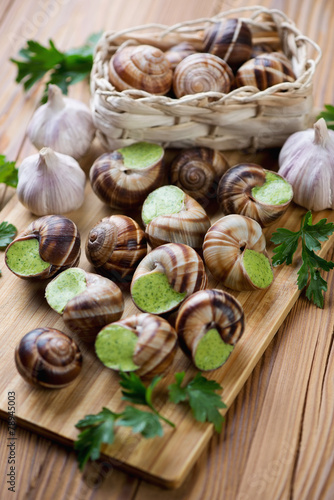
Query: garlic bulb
{"x": 50, "y": 183}
{"x": 63, "y": 124}
{"x": 306, "y": 160}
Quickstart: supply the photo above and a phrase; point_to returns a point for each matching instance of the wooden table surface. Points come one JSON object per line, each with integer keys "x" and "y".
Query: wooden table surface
{"x": 278, "y": 438}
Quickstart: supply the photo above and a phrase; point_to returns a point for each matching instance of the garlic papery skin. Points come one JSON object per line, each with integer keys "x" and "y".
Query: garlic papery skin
{"x": 63, "y": 124}
{"x": 306, "y": 161}
{"x": 50, "y": 183}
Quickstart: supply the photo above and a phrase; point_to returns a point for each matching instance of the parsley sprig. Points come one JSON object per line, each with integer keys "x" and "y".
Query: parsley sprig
{"x": 99, "y": 429}
{"x": 8, "y": 172}
{"x": 311, "y": 237}
{"x": 64, "y": 68}
{"x": 7, "y": 233}
{"x": 328, "y": 115}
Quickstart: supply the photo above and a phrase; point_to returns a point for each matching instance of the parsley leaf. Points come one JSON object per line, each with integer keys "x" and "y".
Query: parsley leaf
{"x": 8, "y": 172}
{"x": 97, "y": 429}
{"x": 145, "y": 422}
{"x": 201, "y": 395}
{"x": 7, "y": 233}
{"x": 311, "y": 237}
{"x": 64, "y": 68}
{"x": 328, "y": 115}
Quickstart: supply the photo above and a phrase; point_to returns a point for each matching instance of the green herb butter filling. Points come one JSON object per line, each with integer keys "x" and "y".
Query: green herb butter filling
{"x": 275, "y": 190}
{"x": 67, "y": 285}
{"x": 163, "y": 201}
{"x": 152, "y": 293}
{"x": 23, "y": 258}
{"x": 212, "y": 351}
{"x": 141, "y": 155}
{"x": 115, "y": 346}
{"x": 258, "y": 268}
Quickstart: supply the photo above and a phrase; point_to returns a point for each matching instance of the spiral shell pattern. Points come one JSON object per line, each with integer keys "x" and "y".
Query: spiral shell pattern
{"x": 197, "y": 172}
{"x": 207, "y": 309}
{"x": 141, "y": 67}
{"x": 188, "y": 226}
{"x": 178, "y": 52}
{"x": 181, "y": 264}
{"x": 230, "y": 39}
{"x": 235, "y": 194}
{"x": 264, "y": 71}
{"x": 156, "y": 345}
{"x": 224, "y": 245}
{"x": 101, "y": 303}
{"x": 115, "y": 246}
{"x": 202, "y": 73}
{"x": 47, "y": 357}
{"x": 121, "y": 187}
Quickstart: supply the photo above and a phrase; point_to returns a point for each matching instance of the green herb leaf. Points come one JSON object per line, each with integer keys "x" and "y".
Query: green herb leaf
{"x": 98, "y": 429}
{"x": 328, "y": 115}
{"x": 145, "y": 422}
{"x": 7, "y": 233}
{"x": 8, "y": 172}
{"x": 311, "y": 236}
{"x": 64, "y": 68}
{"x": 202, "y": 398}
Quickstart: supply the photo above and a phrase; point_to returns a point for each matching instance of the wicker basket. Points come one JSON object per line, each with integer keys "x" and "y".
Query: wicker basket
{"x": 244, "y": 118}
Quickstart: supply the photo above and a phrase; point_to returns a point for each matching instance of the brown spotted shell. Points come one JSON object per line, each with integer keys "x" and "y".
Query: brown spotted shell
{"x": 264, "y": 71}
{"x": 230, "y": 39}
{"x": 156, "y": 345}
{"x": 59, "y": 243}
{"x": 181, "y": 264}
{"x": 235, "y": 194}
{"x": 48, "y": 358}
{"x": 99, "y": 304}
{"x": 141, "y": 67}
{"x": 202, "y": 73}
{"x": 121, "y": 187}
{"x": 188, "y": 226}
{"x": 197, "y": 172}
{"x": 178, "y": 52}
{"x": 204, "y": 310}
{"x": 115, "y": 246}
{"x": 224, "y": 245}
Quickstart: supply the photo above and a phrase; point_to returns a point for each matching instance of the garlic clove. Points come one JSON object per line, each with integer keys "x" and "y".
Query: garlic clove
{"x": 50, "y": 183}
{"x": 64, "y": 124}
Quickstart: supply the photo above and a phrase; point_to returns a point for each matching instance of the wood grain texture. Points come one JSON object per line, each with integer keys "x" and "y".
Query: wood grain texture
{"x": 295, "y": 417}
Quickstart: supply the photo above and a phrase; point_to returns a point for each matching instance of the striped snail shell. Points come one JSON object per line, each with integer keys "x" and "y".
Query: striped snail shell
{"x": 48, "y": 358}
{"x": 183, "y": 268}
{"x": 235, "y": 194}
{"x": 178, "y": 52}
{"x": 115, "y": 246}
{"x": 202, "y": 73}
{"x": 202, "y": 312}
{"x": 124, "y": 187}
{"x": 197, "y": 171}
{"x": 224, "y": 248}
{"x": 141, "y": 67}
{"x": 230, "y": 39}
{"x": 264, "y": 71}
{"x": 59, "y": 244}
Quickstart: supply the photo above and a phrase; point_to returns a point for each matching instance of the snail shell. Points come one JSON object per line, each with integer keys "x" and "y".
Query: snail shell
{"x": 181, "y": 264}
{"x": 224, "y": 245}
{"x": 156, "y": 345}
{"x": 235, "y": 194}
{"x": 205, "y": 310}
{"x": 115, "y": 246}
{"x": 47, "y": 357}
{"x": 141, "y": 67}
{"x": 264, "y": 71}
{"x": 197, "y": 172}
{"x": 59, "y": 243}
{"x": 178, "y": 52}
{"x": 122, "y": 187}
{"x": 202, "y": 73}
{"x": 188, "y": 226}
{"x": 230, "y": 39}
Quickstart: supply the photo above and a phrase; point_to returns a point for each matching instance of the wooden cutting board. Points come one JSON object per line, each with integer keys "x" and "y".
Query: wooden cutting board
{"x": 54, "y": 413}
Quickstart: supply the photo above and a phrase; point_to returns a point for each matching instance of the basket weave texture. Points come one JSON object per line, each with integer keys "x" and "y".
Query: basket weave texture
{"x": 244, "y": 118}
